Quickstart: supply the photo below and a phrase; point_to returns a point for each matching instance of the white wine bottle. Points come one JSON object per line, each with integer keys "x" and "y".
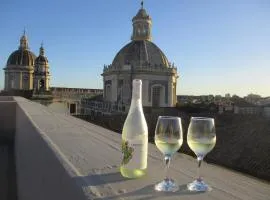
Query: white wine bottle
{"x": 135, "y": 137}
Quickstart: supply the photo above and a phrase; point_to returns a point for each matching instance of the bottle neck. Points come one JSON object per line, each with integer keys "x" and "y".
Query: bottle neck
{"x": 136, "y": 96}
{"x": 136, "y": 102}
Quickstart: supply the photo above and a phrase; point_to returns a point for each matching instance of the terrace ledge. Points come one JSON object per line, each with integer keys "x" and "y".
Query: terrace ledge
{"x": 61, "y": 157}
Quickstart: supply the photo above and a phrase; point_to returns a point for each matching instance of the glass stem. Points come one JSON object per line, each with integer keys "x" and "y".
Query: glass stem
{"x": 167, "y": 163}
{"x": 200, "y": 159}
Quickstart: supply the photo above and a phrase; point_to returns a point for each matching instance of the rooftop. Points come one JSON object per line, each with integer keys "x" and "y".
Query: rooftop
{"x": 62, "y": 157}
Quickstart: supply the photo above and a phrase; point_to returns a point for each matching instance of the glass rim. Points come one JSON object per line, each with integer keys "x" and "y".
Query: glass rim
{"x": 202, "y": 118}
{"x": 168, "y": 117}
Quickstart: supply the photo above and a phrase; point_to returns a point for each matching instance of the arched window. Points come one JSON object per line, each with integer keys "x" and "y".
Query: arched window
{"x": 25, "y": 82}
{"x": 41, "y": 84}
{"x": 156, "y": 96}
{"x": 108, "y": 93}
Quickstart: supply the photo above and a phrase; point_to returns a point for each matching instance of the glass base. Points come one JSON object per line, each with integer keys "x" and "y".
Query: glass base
{"x": 167, "y": 185}
{"x": 199, "y": 186}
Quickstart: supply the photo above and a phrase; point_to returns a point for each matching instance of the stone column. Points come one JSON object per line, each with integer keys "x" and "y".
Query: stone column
{"x": 47, "y": 84}
{"x": 30, "y": 80}
{"x": 6, "y": 80}
{"x": 20, "y": 81}
{"x": 114, "y": 88}
{"x": 170, "y": 92}
{"x": 145, "y": 86}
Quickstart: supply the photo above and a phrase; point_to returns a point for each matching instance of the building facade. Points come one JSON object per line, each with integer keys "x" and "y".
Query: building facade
{"x": 63, "y": 92}
{"x": 141, "y": 59}
{"x": 26, "y": 72}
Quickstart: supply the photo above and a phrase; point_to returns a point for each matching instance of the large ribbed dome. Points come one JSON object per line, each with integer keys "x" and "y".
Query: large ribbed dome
{"x": 22, "y": 57}
{"x": 140, "y": 52}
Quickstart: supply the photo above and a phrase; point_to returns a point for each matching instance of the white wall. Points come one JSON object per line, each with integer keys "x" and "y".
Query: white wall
{"x": 42, "y": 173}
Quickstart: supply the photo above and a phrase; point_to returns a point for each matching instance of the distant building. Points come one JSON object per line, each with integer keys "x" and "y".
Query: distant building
{"x": 253, "y": 98}
{"x": 192, "y": 99}
{"x": 227, "y": 96}
{"x": 64, "y": 92}
{"x": 141, "y": 59}
{"x": 246, "y": 108}
{"x": 24, "y": 72}
{"x": 226, "y": 108}
{"x": 266, "y": 111}
{"x": 74, "y": 98}
{"x": 263, "y": 101}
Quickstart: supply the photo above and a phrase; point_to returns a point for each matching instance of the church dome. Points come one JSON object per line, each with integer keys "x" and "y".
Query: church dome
{"x": 22, "y": 57}
{"x": 140, "y": 52}
{"x": 41, "y": 59}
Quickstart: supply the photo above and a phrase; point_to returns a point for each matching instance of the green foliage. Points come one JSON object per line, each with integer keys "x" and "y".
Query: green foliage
{"x": 127, "y": 152}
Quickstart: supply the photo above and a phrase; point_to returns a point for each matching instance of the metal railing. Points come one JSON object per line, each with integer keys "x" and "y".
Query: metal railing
{"x": 103, "y": 106}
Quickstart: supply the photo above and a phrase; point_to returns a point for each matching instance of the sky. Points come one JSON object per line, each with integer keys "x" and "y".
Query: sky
{"x": 218, "y": 46}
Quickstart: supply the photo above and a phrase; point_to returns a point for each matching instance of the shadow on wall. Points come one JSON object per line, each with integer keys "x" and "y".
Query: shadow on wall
{"x": 100, "y": 179}
{"x": 148, "y": 193}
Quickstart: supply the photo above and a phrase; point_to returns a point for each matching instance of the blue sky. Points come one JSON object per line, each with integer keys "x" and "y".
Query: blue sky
{"x": 219, "y": 46}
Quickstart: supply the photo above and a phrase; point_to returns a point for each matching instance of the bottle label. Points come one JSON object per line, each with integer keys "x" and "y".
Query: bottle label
{"x": 134, "y": 154}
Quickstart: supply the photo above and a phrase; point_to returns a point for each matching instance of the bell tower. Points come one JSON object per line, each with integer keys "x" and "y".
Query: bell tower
{"x": 142, "y": 25}
{"x": 41, "y": 73}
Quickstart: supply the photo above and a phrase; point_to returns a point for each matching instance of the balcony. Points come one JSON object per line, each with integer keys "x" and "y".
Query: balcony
{"x": 59, "y": 157}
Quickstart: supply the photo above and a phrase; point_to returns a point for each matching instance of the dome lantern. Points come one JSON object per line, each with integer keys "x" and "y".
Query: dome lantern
{"x": 142, "y": 25}
{"x": 24, "y": 42}
{"x": 41, "y": 50}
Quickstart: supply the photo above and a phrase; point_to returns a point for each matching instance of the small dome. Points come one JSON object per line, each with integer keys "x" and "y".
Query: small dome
{"x": 21, "y": 57}
{"x": 140, "y": 52}
{"x": 41, "y": 59}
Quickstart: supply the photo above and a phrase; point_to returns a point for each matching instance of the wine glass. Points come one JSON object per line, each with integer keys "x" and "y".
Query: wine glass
{"x": 201, "y": 139}
{"x": 168, "y": 138}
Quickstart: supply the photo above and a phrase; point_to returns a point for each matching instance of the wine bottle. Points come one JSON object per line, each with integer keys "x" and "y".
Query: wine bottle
{"x": 135, "y": 137}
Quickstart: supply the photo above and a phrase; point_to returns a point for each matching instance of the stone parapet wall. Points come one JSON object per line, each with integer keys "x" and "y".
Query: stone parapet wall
{"x": 42, "y": 171}
{"x": 7, "y": 118}
{"x": 59, "y": 157}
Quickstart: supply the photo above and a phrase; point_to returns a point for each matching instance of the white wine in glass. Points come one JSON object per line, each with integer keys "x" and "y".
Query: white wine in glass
{"x": 168, "y": 146}
{"x": 201, "y": 139}
{"x": 168, "y": 138}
